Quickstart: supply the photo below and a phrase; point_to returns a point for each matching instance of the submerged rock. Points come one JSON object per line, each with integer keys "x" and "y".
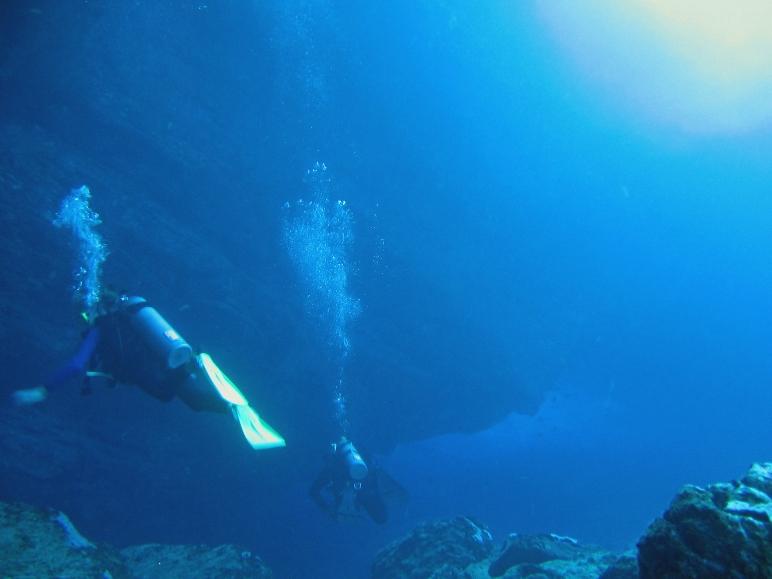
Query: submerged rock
{"x": 439, "y": 549}
{"x": 533, "y": 549}
{"x": 178, "y": 561}
{"x": 462, "y": 548}
{"x": 625, "y": 567}
{"x": 724, "y": 530}
{"x": 44, "y": 543}
{"x": 38, "y": 542}
{"x": 566, "y": 557}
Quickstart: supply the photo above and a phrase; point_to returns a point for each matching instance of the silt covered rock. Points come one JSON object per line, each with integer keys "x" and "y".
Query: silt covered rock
{"x": 177, "y": 561}
{"x": 44, "y": 543}
{"x": 462, "y": 548}
{"x": 724, "y": 530}
{"x": 439, "y": 549}
{"x": 37, "y": 542}
{"x": 554, "y": 556}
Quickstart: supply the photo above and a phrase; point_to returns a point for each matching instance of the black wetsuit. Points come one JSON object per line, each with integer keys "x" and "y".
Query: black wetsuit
{"x": 334, "y": 480}
{"x": 123, "y": 354}
{"x": 113, "y": 346}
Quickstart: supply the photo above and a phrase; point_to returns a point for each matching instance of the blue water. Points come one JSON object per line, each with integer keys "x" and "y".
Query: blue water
{"x": 382, "y": 210}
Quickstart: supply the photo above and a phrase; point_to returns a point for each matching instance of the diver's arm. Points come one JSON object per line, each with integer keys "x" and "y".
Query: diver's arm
{"x": 74, "y": 368}
{"x": 77, "y": 365}
{"x": 370, "y": 499}
{"x": 315, "y": 492}
{"x": 323, "y": 481}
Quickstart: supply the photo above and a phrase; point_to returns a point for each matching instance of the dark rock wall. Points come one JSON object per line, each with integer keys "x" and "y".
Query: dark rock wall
{"x": 192, "y": 123}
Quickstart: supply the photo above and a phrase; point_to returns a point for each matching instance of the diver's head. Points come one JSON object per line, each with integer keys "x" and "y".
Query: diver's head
{"x": 113, "y": 301}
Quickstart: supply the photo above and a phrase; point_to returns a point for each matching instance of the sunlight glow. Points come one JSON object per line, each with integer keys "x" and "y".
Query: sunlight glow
{"x": 705, "y": 66}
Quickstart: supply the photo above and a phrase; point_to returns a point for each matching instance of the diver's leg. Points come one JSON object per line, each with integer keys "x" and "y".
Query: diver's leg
{"x": 372, "y": 502}
{"x": 199, "y": 395}
{"x": 159, "y": 391}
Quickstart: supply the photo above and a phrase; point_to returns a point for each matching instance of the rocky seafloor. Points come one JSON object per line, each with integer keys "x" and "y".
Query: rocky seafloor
{"x": 721, "y": 531}
{"x": 36, "y": 542}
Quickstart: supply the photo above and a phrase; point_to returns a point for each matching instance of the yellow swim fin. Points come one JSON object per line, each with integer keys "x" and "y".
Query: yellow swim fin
{"x": 258, "y": 433}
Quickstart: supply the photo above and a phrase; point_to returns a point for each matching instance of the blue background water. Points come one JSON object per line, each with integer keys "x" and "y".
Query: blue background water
{"x": 627, "y": 257}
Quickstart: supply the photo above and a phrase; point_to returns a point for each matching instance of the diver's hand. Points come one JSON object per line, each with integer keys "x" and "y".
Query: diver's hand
{"x": 29, "y": 396}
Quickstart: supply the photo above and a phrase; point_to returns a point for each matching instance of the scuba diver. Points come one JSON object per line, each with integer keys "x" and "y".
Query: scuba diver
{"x": 129, "y": 342}
{"x": 346, "y": 484}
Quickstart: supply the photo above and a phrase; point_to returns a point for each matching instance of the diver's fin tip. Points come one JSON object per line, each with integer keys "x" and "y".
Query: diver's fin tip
{"x": 258, "y": 433}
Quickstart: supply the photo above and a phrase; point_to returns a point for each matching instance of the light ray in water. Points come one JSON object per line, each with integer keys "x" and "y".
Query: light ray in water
{"x": 705, "y": 67}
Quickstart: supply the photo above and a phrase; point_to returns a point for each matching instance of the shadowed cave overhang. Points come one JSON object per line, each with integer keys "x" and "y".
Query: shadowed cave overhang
{"x": 180, "y": 148}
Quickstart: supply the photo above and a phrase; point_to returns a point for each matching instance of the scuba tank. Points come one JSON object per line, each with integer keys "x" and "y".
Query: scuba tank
{"x": 355, "y": 464}
{"x": 157, "y": 333}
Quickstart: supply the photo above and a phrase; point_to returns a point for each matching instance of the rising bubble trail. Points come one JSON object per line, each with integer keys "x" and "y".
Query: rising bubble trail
{"x": 76, "y": 215}
{"x": 318, "y": 238}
